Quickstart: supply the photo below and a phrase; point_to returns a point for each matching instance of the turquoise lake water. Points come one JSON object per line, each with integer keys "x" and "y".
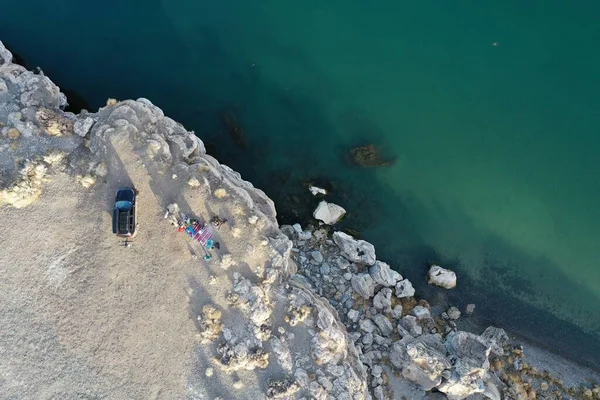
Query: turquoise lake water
{"x": 492, "y": 112}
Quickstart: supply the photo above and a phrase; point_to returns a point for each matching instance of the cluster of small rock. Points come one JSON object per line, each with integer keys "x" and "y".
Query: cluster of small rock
{"x": 386, "y": 325}
{"x": 332, "y": 369}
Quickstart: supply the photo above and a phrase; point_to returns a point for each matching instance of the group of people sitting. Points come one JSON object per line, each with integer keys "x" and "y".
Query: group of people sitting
{"x": 196, "y": 229}
{"x": 201, "y": 232}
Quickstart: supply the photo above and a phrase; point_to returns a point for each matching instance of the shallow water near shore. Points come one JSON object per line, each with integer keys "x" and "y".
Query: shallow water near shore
{"x": 491, "y": 113}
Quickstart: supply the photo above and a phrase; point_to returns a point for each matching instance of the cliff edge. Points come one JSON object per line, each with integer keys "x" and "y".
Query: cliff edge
{"x": 267, "y": 312}
{"x": 84, "y": 315}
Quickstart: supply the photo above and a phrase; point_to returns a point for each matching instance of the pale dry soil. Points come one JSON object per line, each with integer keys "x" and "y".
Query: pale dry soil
{"x": 84, "y": 317}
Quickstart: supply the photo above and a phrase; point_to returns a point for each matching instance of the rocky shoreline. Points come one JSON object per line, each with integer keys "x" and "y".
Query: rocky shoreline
{"x": 283, "y": 312}
{"x": 396, "y": 333}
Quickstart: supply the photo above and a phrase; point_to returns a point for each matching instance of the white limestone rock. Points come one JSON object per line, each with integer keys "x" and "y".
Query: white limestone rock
{"x": 297, "y": 228}
{"x": 305, "y": 235}
{"x": 409, "y": 322}
{"x": 384, "y": 324}
{"x": 397, "y": 311}
{"x": 383, "y": 274}
{"x": 281, "y": 350}
{"x": 324, "y": 318}
{"x": 317, "y": 190}
{"x": 470, "y": 309}
{"x": 317, "y": 256}
{"x": 83, "y": 125}
{"x": 421, "y": 312}
{"x": 356, "y": 251}
{"x": 453, "y": 313}
{"x": 329, "y": 345}
{"x": 496, "y": 339}
{"x": 376, "y": 371}
{"x": 404, "y": 288}
{"x": 383, "y": 300}
{"x": 353, "y": 315}
{"x": 470, "y": 366}
{"x": 363, "y": 284}
{"x": 378, "y": 393}
{"x": 329, "y": 213}
{"x": 491, "y": 391}
{"x": 441, "y": 277}
{"x": 398, "y": 356}
{"x": 425, "y": 365}
{"x": 367, "y": 325}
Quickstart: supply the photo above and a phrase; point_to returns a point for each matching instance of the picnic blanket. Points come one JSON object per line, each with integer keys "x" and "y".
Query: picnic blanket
{"x": 199, "y": 233}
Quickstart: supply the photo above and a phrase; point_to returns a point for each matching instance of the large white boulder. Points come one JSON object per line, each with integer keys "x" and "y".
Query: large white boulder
{"x": 383, "y": 274}
{"x": 363, "y": 284}
{"x": 404, "y": 288}
{"x": 357, "y": 251}
{"x": 442, "y": 277}
{"x": 329, "y": 213}
{"x": 425, "y": 366}
{"x": 470, "y": 368}
{"x": 496, "y": 339}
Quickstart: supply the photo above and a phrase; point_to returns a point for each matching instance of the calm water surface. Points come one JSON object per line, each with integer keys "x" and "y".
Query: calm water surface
{"x": 491, "y": 111}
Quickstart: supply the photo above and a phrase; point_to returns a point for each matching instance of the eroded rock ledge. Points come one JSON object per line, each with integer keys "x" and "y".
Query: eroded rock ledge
{"x": 310, "y": 313}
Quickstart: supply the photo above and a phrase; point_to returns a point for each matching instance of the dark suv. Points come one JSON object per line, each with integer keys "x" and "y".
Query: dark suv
{"x": 124, "y": 217}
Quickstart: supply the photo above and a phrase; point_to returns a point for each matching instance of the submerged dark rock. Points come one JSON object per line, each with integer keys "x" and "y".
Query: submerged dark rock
{"x": 231, "y": 121}
{"x": 368, "y": 156}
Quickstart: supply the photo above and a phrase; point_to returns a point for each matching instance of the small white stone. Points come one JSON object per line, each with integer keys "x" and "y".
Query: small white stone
{"x": 238, "y": 385}
{"x": 353, "y": 315}
{"x": 383, "y": 324}
{"x": 367, "y": 325}
{"x": 421, "y": 312}
{"x": 376, "y": 371}
{"x": 470, "y": 309}
{"x": 453, "y": 313}
{"x": 81, "y": 126}
{"x": 305, "y": 235}
{"x": 209, "y": 372}
{"x": 317, "y": 190}
{"x": 397, "y": 311}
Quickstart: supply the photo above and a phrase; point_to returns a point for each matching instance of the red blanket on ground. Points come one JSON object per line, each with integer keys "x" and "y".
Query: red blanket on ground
{"x": 199, "y": 233}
